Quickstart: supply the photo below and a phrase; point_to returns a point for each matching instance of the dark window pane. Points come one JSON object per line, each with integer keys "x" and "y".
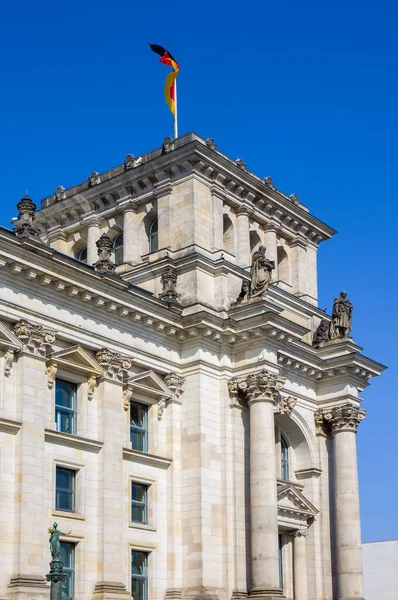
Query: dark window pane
{"x": 139, "y": 575}
{"x": 139, "y": 503}
{"x": 65, "y": 393}
{"x": 68, "y": 559}
{"x": 153, "y": 237}
{"x": 139, "y": 426}
{"x": 284, "y": 459}
{"x": 118, "y": 249}
{"x": 65, "y": 489}
{"x": 65, "y": 406}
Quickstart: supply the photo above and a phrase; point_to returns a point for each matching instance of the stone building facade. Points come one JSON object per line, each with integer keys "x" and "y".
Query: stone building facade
{"x": 188, "y": 446}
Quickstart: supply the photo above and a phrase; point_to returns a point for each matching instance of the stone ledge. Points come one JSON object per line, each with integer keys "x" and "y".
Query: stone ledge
{"x": 72, "y": 441}
{"x": 146, "y": 459}
{"x": 24, "y": 580}
{"x": 12, "y": 427}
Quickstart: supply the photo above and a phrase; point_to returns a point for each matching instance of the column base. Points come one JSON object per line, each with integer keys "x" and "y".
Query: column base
{"x": 261, "y": 593}
{"x": 110, "y": 590}
{"x": 25, "y": 587}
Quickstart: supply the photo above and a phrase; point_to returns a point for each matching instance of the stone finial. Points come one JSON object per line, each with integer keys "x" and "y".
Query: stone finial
{"x": 168, "y": 144}
{"x": 115, "y": 364}
{"x": 294, "y": 198}
{"x": 175, "y": 383}
{"x": 105, "y": 247}
{"x": 94, "y": 179}
{"x": 35, "y": 338}
{"x": 269, "y": 182}
{"x": 210, "y": 143}
{"x": 241, "y": 164}
{"x": 24, "y": 225}
{"x": 60, "y": 193}
{"x": 169, "y": 282}
{"x": 129, "y": 162}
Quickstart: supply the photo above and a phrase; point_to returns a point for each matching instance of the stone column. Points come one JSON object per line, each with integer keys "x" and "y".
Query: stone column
{"x": 93, "y": 234}
{"x": 111, "y": 541}
{"x": 243, "y": 237}
{"x": 272, "y": 250}
{"x": 344, "y": 421}
{"x": 298, "y": 266}
{"x": 131, "y": 235}
{"x": 217, "y": 218}
{"x": 262, "y": 393}
{"x": 300, "y": 564}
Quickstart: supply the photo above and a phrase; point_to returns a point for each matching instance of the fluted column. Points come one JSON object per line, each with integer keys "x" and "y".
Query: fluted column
{"x": 300, "y": 564}
{"x": 243, "y": 237}
{"x": 131, "y": 235}
{"x": 93, "y": 234}
{"x": 261, "y": 390}
{"x": 272, "y": 249}
{"x": 344, "y": 421}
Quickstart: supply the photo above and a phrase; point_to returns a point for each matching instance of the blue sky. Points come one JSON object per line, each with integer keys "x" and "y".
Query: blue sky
{"x": 305, "y": 92}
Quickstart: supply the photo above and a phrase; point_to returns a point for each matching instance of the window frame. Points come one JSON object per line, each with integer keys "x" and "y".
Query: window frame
{"x": 117, "y": 249}
{"x": 138, "y": 429}
{"x": 71, "y": 491}
{"x": 70, "y": 570}
{"x": 285, "y": 458}
{"x": 280, "y": 559}
{"x": 79, "y": 255}
{"x": 139, "y": 505}
{"x": 145, "y": 577}
{"x": 62, "y": 409}
{"x": 153, "y": 235}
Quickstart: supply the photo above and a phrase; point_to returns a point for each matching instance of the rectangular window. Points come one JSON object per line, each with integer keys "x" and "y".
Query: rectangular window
{"x": 139, "y": 575}
{"x": 65, "y": 406}
{"x": 65, "y": 489}
{"x": 280, "y": 557}
{"x": 68, "y": 558}
{"x": 139, "y": 503}
{"x": 139, "y": 426}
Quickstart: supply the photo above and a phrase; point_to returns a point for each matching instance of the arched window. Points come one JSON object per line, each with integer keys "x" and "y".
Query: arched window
{"x": 153, "y": 237}
{"x": 82, "y": 256}
{"x": 118, "y": 249}
{"x": 283, "y": 265}
{"x": 284, "y": 459}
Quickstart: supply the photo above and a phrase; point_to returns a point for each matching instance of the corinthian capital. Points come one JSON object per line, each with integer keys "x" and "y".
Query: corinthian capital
{"x": 175, "y": 382}
{"x": 263, "y": 386}
{"x": 342, "y": 418}
{"x": 35, "y": 338}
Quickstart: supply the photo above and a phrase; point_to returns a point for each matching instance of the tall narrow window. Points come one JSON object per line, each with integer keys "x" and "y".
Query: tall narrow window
{"x": 153, "y": 237}
{"x": 139, "y": 503}
{"x": 118, "y": 249}
{"x": 280, "y": 558}
{"x": 65, "y": 489}
{"x": 65, "y": 406}
{"x": 139, "y": 575}
{"x": 284, "y": 459}
{"x": 68, "y": 559}
{"x": 139, "y": 426}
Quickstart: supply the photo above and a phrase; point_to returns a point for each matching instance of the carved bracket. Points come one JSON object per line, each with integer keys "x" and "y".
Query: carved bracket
{"x": 51, "y": 371}
{"x": 8, "y": 361}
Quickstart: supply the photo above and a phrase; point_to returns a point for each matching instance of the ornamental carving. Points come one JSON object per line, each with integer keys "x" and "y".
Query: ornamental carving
{"x": 129, "y": 162}
{"x": 169, "y": 282}
{"x": 174, "y": 382}
{"x": 24, "y": 225}
{"x": 104, "y": 249}
{"x": 261, "y": 386}
{"x": 322, "y": 427}
{"x": 94, "y": 179}
{"x": 51, "y": 371}
{"x": 286, "y": 405}
{"x": 60, "y": 193}
{"x": 35, "y": 338}
{"x": 339, "y": 418}
{"x": 241, "y": 164}
{"x": 161, "y": 407}
{"x": 8, "y": 360}
{"x": 114, "y": 363}
{"x": 210, "y": 143}
{"x": 91, "y": 381}
{"x": 168, "y": 145}
{"x": 299, "y": 533}
{"x": 127, "y": 395}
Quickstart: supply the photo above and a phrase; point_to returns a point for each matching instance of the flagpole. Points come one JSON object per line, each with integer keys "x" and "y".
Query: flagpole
{"x": 175, "y": 111}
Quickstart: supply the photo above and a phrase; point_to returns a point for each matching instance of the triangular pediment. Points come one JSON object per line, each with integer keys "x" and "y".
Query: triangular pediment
{"x": 290, "y": 499}
{"x": 149, "y": 383}
{"x": 8, "y": 341}
{"x": 77, "y": 359}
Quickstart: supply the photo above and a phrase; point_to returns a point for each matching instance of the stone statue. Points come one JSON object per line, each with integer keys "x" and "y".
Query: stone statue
{"x": 104, "y": 250}
{"x": 244, "y": 292}
{"x": 321, "y": 334}
{"x": 260, "y": 272}
{"x": 341, "y": 324}
{"x": 168, "y": 144}
{"x": 129, "y": 162}
{"x": 169, "y": 282}
{"x": 55, "y": 546}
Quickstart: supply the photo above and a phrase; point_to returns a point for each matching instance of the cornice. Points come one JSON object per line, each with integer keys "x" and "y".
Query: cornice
{"x": 72, "y": 441}
{"x": 12, "y": 427}
{"x": 145, "y": 458}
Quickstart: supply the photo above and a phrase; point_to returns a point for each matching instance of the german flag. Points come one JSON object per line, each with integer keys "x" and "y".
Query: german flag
{"x": 169, "y": 88}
